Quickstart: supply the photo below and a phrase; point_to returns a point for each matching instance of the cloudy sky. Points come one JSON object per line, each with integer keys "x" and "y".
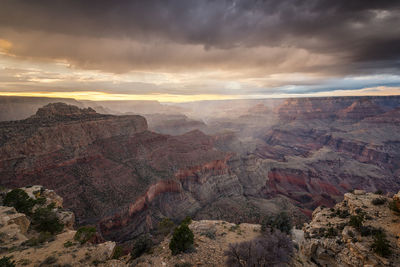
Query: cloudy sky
{"x": 186, "y": 50}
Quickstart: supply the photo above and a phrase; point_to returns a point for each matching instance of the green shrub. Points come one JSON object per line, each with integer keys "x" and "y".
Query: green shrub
{"x": 20, "y": 200}
{"x": 7, "y": 262}
{"x": 68, "y": 244}
{"x": 142, "y": 245}
{"x": 356, "y": 221}
{"x": 281, "y": 221}
{"x": 187, "y": 220}
{"x": 165, "y": 226}
{"x": 209, "y": 233}
{"x": 182, "y": 239}
{"x": 378, "y": 201}
{"x": 51, "y": 206}
{"x": 379, "y": 192}
{"x": 381, "y": 245}
{"x": 40, "y": 201}
{"x": 85, "y": 233}
{"x": 118, "y": 252}
{"x": 45, "y": 220}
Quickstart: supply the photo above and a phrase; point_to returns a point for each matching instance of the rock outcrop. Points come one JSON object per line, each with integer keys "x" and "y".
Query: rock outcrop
{"x": 27, "y": 247}
{"x": 13, "y": 227}
{"x": 344, "y": 235}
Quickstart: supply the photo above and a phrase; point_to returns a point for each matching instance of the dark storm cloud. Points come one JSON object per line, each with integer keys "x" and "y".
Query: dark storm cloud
{"x": 359, "y": 36}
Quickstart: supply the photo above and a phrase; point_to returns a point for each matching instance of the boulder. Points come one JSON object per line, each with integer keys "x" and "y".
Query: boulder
{"x": 104, "y": 251}
{"x": 52, "y": 197}
{"x": 67, "y": 218}
{"x": 8, "y": 215}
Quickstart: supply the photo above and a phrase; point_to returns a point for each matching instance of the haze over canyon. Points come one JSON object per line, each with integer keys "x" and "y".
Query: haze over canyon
{"x": 126, "y": 172}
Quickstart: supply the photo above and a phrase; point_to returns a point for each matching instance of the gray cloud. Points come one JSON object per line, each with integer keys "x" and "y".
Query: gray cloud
{"x": 124, "y": 35}
{"x": 188, "y": 47}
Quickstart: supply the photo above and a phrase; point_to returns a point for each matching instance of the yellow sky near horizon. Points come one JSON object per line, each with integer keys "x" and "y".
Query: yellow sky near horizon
{"x": 177, "y": 98}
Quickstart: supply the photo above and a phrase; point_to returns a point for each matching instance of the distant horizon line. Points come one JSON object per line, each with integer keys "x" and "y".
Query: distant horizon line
{"x": 186, "y": 99}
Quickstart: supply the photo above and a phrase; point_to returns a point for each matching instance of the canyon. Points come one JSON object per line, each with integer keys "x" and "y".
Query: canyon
{"x": 237, "y": 161}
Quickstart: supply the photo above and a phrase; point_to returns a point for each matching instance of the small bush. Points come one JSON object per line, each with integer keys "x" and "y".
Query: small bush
{"x": 187, "y": 220}
{"x": 118, "y": 252}
{"x": 7, "y": 262}
{"x": 68, "y": 244}
{"x": 165, "y": 226}
{"x": 281, "y": 221}
{"x": 97, "y": 262}
{"x": 182, "y": 239}
{"x": 342, "y": 214}
{"x": 20, "y": 200}
{"x": 356, "y": 221}
{"x": 40, "y": 201}
{"x": 142, "y": 245}
{"x": 369, "y": 230}
{"x": 49, "y": 260}
{"x": 379, "y": 192}
{"x": 233, "y": 228}
{"x": 378, "y": 201}
{"x": 272, "y": 249}
{"x": 381, "y": 245}
{"x": 210, "y": 233}
{"x": 45, "y": 220}
{"x": 84, "y": 234}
